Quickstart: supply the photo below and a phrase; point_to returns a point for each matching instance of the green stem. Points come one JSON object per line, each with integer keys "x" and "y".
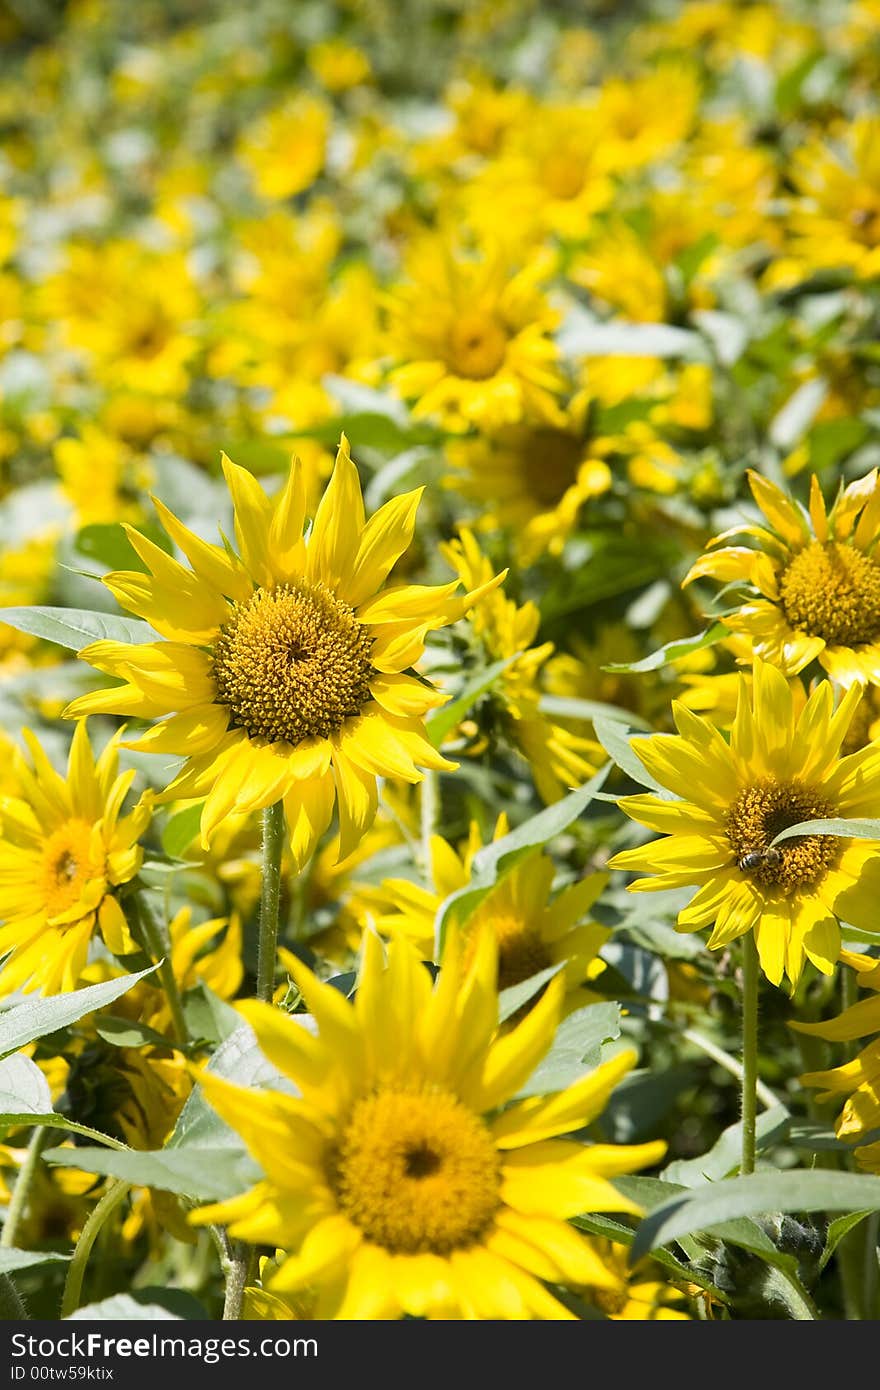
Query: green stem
{"x": 18, "y": 1204}
{"x": 12, "y": 1308}
{"x": 159, "y": 944}
{"x": 871, "y": 1267}
{"x": 237, "y": 1271}
{"x": 270, "y": 898}
{"x": 750, "y": 972}
{"x": 76, "y": 1273}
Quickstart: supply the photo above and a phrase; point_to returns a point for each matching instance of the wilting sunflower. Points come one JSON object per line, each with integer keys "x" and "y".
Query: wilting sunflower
{"x": 534, "y": 929}
{"x": 284, "y": 670}
{"x": 65, "y": 847}
{"x": 858, "y": 1079}
{"x": 779, "y": 769}
{"x": 817, "y": 580}
{"x": 395, "y": 1179}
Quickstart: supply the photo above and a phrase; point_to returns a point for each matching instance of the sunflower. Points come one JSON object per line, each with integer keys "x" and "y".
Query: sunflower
{"x": 858, "y": 1079}
{"x": 394, "y": 1178}
{"x": 559, "y": 758}
{"x": 835, "y": 221}
{"x": 283, "y": 675}
{"x": 779, "y": 769}
{"x": 533, "y": 479}
{"x": 816, "y": 580}
{"x": 534, "y": 930}
{"x": 472, "y": 339}
{"x": 64, "y": 849}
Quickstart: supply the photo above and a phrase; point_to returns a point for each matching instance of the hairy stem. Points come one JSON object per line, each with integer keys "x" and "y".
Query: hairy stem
{"x": 750, "y": 973}
{"x": 112, "y": 1198}
{"x": 21, "y": 1191}
{"x": 270, "y": 898}
{"x": 158, "y": 942}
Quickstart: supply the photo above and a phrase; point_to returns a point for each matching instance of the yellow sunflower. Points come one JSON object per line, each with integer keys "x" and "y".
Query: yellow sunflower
{"x": 533, "y": 479}
{"x": 858, "y": 1079}
{"x": 472, "y": 339}
{"x": 779, "y": 769}
{"x": 284, "y": 670}
{"x": 395, "y": 1180}
{"x": 65, "y": 847}
{"x": 534, "y": 930}
{"x": 559, "y": 758}
{"x": 816, "y": 578}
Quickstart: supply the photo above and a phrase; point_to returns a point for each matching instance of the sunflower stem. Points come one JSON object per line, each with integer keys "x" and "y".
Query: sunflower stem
{"x": 158, "y": 942}
{"x": 750, "y": 974}
{"x": 871, "y": 1267}
{"x": 21, "y": 1191}
{"x": 270, "y": 898}
{"x": 76, "y": 1273}
{"x": 236, "y": 1270}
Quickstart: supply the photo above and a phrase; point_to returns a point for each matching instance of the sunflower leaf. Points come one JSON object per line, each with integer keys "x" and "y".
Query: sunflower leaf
{"x": 35, "y": 1018}
{"x": 711, "y": 1207}
{"x": 499, "y": 857}
{"x": 617, "y": 740}
{"x": 673, "y": 651}
{"x": 76, "y": 628}
{"x": 181, "y": 829}
{"x": 13, "y": 1260}
{"x": 851, "y": 829}
{"x": 442, "y": 721}
{"x": 23, "y": 1087}
{"x": 209, "y": 1174}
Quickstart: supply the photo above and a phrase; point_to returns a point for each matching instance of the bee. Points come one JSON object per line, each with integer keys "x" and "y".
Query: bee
{"x": 756, "y": 858}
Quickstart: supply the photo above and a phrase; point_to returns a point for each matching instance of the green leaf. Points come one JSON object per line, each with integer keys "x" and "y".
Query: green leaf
{"x": 107, "y": 543}
{"x": 709, "y": 1208}
{"x": 13, "y": 1260}
{"x": 656, "y": 1195}
{"x": 568, "y": 707}
{"x": 181, "y": 829}
{"x": 513, "y": 998}
{"x": 55, "y": 1121}
{"x": 23, "y": 1023}
{"x": 724, "y": 1156}
{"x": 607, "y": 565}
{"x": 596, "y": 1224}
{"x": 851, "y": 829}
{"x": 499, "y": 857}
{"x": 369, "y": 429}
{"x": 831, "y": 441}
{"x": 673, "y": 651}
{"x": 23, "y": 1087}
{"x": 617, "y": 741}
{"x": 124, "y": 1032}
{"x": 441, "y": 722}
{"x": 576, "y": 1048}
{"x": 238, "y": 1059}
{"x": 837, "y": 1229}
{"x": 121, "y": 1307}
{"x": 208, "y": 1016}
{"x": 76, "y": 628}
{"x": 209, "y": 1174}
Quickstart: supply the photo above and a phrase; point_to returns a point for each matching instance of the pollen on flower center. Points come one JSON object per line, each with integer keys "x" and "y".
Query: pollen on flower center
{"x": 551, "y": 464}
{"x": 292, "y": 663}
{"x": 69, "y": 861}
{"x": 477, "y": 345}
{"x": 833, "y": 591}
{"x": 416, "y": 1171}
{"x": 756, "y": 818}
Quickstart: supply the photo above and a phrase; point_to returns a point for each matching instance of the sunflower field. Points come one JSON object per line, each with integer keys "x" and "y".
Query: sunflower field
{"x": 440, "y": 660}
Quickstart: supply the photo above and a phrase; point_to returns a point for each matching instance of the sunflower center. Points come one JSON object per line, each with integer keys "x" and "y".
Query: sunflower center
{"x": 292, "y": 663}
{"x": 865, "y": 222}
{"x": 756, "y": 818}
{"x": 521, "y": 952}
{"x": 416, "y": 1171}
{"x": 477, "y": 345}
{"x": 563, "y": 174}
{"x": 551, "y": 464}
{"x": 832, "y": 591}
{"x": 69, "y": 861}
